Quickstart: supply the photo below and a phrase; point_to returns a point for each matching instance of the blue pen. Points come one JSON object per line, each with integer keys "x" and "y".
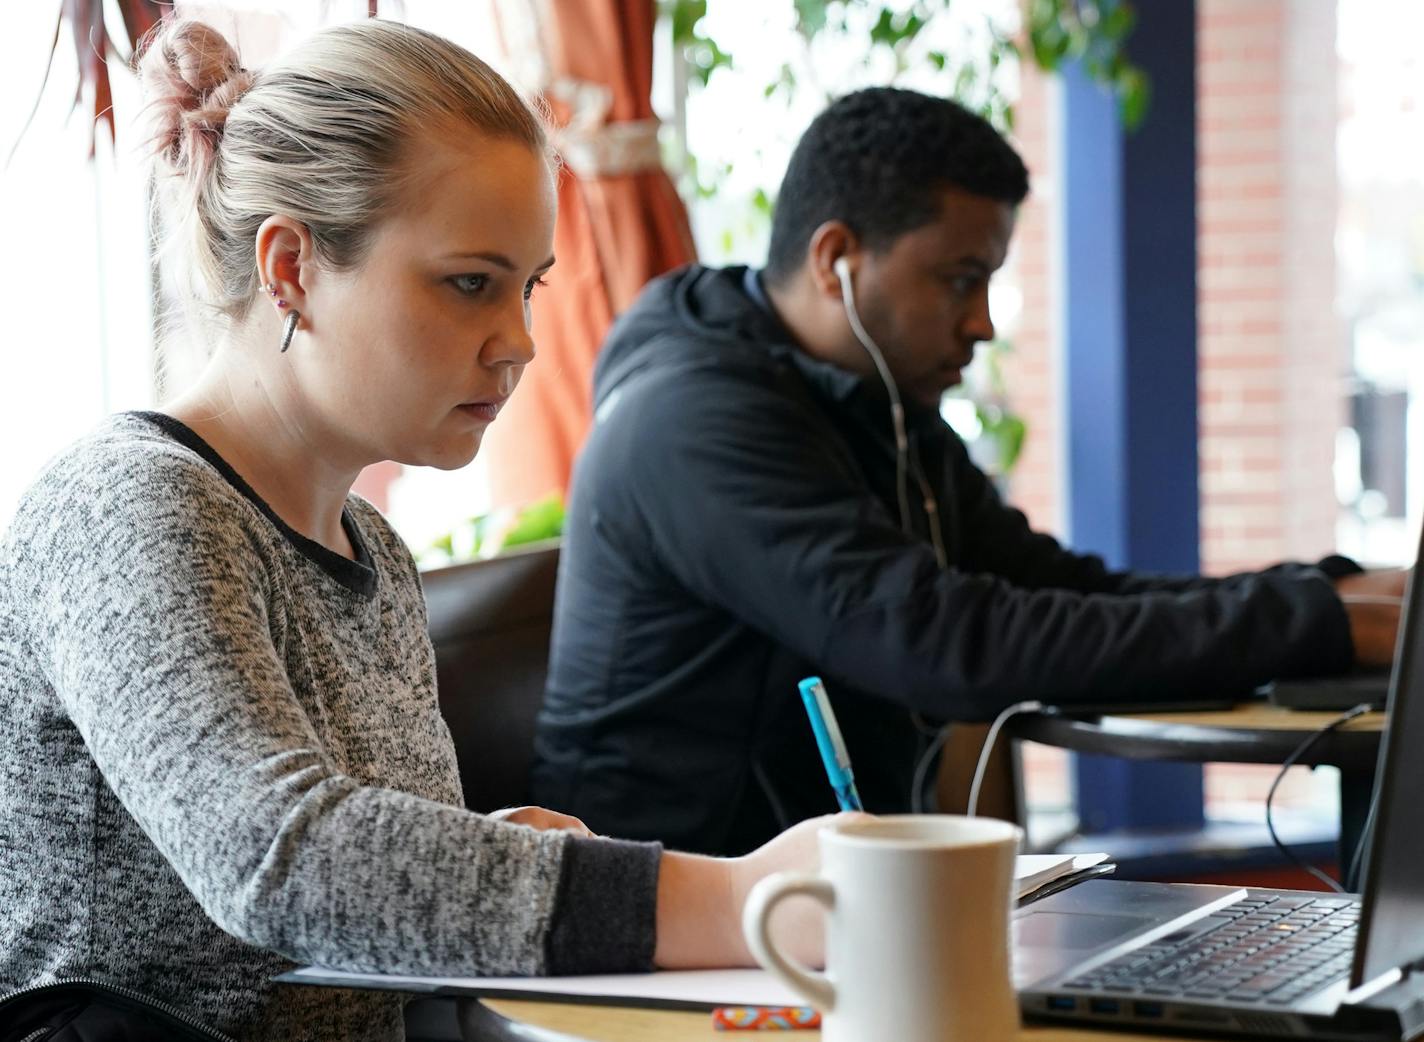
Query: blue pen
{"x": 830, "y": 742}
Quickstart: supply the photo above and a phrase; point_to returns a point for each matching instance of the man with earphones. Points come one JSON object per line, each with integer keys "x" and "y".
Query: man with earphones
{"x": 769, "y": 492}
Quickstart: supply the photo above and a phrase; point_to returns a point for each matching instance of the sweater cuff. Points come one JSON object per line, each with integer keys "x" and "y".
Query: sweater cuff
{"x": 605, "y": 910}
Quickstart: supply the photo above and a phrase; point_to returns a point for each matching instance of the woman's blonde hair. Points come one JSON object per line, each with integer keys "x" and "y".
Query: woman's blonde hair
{"x": 322, "y": 136}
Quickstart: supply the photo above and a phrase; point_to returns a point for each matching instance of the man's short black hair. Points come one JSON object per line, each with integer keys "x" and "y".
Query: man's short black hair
{"x": 878, "y": 160}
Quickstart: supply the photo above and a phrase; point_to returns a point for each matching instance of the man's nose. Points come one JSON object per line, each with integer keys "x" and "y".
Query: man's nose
{"x": 978, "y": 323}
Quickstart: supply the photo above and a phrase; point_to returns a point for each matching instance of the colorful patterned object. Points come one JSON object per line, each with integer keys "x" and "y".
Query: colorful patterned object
{"x": 765, "y": 1018}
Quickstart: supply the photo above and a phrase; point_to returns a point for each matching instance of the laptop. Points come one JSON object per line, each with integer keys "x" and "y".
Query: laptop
{"x": 1370, "y": 686}
{"x": 1256, "y": 963}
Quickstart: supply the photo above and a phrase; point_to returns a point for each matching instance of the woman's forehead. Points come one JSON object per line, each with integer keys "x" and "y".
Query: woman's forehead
{"x": 483, "y": 188}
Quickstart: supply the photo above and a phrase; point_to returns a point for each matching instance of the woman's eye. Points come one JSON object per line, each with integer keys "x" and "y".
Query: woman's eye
{"x": 529, "y": 286}
{"x": 470, "y": 284}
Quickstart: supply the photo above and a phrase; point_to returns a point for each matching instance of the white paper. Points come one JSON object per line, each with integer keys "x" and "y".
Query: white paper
{"x": 1032, "y": 871}
{"x": 698, "y": 989}
{"x": 688, "y": 989}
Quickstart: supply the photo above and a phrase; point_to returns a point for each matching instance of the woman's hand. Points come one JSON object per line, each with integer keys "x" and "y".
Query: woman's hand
{"x": 544, "y": 820}
{"x": 700, "y": 902}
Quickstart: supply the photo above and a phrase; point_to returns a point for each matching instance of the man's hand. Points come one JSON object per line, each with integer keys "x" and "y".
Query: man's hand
{"x": 1373, "y": 602}
{"x": 544, "y": 820}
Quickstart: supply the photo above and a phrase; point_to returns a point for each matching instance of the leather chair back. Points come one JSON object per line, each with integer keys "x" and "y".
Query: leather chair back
{"x": 490, "y": 623}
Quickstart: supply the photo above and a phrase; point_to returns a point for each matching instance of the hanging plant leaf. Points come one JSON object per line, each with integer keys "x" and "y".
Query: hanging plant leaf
{"x": 92, "y": 48}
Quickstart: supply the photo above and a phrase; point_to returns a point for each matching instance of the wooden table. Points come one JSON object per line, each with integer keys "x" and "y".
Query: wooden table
{"x": 618, "y": 1024}
{"x": 1254, "y": 732}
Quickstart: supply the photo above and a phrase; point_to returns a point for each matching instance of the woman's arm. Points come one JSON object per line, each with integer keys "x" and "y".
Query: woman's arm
{"x": 155, "y": 604}
{"x": 700, "y": 903}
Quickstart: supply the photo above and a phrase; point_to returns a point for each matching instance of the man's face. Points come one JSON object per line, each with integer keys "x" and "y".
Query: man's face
{"x": 925, "y": 299}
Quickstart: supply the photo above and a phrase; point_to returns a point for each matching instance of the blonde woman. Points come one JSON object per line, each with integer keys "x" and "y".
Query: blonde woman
{"x": 220, "y": 750}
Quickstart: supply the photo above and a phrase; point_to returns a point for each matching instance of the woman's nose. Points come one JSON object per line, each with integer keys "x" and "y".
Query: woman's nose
{"x": 513, "y": 342}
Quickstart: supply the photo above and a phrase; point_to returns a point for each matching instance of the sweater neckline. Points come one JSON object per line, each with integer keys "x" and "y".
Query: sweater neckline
{"x": 358, "y": 576}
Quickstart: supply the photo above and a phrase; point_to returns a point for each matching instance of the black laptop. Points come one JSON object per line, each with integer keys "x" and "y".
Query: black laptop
{"x": 1254, "y": 963}
{"x": 1336, "y": 694}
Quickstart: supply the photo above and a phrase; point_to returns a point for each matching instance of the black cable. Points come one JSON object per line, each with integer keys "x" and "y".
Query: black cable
{"x": 1287, "y": 764}
{"x": 1352, "y": 878}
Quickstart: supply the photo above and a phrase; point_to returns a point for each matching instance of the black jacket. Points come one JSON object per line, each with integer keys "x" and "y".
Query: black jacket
{"x": 732, "y": 528}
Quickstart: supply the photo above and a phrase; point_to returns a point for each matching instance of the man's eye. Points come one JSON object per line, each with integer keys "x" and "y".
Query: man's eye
{"x": 963, "y": 284}
{"x": 529, "y": 286}
{"x": 470, "y": 284}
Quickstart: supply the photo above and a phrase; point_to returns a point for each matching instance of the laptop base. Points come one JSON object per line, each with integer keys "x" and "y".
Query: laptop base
{"x": 1051, "y": 956}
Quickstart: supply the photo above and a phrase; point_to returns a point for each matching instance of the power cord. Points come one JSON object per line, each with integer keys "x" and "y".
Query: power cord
{"x": 1352, "y": 878}
{"x": 1287, "y": 764}
{"x": 922, "y": 767}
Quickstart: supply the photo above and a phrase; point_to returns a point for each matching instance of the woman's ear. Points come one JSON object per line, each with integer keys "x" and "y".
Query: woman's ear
{"x": 285, "y": 261}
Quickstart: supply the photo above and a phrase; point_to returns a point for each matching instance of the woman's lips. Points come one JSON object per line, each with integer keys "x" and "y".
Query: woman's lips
{"x": 483, "y": 412}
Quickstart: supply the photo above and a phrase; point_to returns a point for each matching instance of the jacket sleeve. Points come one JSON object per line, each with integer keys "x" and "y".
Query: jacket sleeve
{"x": 747, "y": 496}
{"x": 997, "y": 540}
{"x": 154, "y": 613}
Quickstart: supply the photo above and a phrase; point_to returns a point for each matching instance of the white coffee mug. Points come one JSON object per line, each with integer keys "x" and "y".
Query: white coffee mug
{"x": 917, "y": 940}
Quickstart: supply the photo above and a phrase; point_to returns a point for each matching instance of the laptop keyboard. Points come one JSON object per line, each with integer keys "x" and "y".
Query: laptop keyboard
{"x": 1266, "y": 948}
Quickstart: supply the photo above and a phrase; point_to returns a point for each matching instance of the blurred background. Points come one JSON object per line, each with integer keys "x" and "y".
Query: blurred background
{"x": 1307, "y": 195}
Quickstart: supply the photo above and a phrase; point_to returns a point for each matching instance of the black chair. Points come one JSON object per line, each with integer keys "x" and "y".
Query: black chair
{"x": 490, "y": 623}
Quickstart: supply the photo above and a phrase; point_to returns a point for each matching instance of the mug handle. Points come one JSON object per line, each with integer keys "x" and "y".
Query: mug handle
{"x": 756, "y": 918}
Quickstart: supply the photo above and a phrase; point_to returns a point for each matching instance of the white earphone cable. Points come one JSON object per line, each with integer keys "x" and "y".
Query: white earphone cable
{"x": 980, "y": 768}
{"x": 897, "y": 410}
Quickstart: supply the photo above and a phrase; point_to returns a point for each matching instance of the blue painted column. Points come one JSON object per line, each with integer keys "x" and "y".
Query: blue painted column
{"x": 1129, "y": 258}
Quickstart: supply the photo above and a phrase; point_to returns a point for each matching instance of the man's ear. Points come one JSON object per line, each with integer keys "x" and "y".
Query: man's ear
{"x": 831, "y": 242}
{"x": 286, "y": 260}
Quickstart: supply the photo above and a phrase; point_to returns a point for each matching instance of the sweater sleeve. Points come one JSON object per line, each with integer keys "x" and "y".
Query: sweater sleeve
{"x": 745, "y": 497}
{"x": 155, "y": 615}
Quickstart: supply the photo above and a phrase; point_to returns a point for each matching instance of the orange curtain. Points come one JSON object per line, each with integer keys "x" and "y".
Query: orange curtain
{"x": 620, "y": 224}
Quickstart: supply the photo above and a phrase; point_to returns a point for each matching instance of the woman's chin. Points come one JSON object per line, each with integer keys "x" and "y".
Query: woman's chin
{"x": 450, "y": 454}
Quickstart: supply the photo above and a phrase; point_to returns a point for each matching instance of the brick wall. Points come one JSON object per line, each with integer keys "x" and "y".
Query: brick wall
{"x": 1272, "y": 350}
{"x": 1031, "y": 371}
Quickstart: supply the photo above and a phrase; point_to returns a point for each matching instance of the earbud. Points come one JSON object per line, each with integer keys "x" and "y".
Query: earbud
{"x": 842, "y": 269}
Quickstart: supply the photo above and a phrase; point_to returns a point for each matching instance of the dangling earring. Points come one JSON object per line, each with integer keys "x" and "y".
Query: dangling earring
{"x": 289, "y": 328}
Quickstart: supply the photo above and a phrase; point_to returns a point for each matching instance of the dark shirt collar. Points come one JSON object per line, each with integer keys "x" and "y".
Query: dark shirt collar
{"x": 359, "y": 575}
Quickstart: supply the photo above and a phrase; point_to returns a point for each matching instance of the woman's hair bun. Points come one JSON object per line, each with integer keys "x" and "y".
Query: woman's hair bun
{"x": 192, "y": 77}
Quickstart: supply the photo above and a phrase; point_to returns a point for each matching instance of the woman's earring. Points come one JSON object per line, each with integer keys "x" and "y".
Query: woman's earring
{"x": 289, "y": 328}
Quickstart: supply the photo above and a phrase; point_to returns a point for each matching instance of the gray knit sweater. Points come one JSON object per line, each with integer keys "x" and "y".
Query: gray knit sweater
{"x": 221, "y": 754}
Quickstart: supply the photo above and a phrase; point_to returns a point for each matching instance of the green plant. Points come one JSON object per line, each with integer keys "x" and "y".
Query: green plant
{"x": 1094, "y": 32}
{"x": 1001, "y": 433}
{"x": 490, "y": 534}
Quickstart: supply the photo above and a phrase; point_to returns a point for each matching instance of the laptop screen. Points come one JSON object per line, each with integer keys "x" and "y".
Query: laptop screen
{"x": 1392, "y": 916}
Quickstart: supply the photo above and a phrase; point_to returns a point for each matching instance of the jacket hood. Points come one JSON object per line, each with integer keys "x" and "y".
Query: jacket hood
{"x": 697, "y": 314}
